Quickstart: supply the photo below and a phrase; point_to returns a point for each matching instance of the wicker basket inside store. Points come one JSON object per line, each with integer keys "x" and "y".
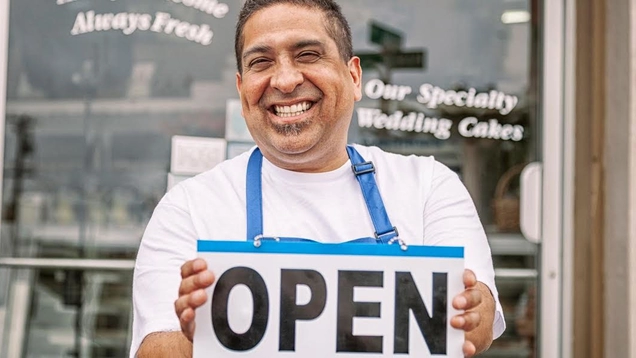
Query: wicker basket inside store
{"x": 505, "y": 204}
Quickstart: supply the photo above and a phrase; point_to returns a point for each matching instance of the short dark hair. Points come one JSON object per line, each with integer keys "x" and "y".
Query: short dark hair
{"x": 335, "y": 23}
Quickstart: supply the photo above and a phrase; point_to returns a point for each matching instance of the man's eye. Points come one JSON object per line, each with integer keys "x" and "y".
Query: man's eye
{"x": 258, "y": 63}
{"x": 308, "y": 56}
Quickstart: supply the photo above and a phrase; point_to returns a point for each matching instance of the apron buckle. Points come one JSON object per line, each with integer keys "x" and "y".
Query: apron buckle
{"x": 391, "y": 233}
{"x": 394, "y": 237}
{"x": 363, "y": 168}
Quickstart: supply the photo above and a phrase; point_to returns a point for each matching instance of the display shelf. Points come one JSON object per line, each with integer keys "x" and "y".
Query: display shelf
{"x": 511, "y": 244}
{"x": 98, "y": 238}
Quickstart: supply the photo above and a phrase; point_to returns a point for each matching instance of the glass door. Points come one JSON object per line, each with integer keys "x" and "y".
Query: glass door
{"x": 463, "y": 81}
{"x": 95, "y": 92}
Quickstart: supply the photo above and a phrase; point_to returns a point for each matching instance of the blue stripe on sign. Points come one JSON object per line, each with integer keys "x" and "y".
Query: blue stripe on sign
{"x": 311, "y": 248}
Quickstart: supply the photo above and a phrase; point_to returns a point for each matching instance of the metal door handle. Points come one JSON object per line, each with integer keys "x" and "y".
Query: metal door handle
{"x": 530, "y": 185}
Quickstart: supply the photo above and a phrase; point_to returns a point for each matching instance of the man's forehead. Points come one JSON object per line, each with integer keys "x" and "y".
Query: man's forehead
{"x": 287, "y": 14}
{"x": 262, "y": 31}
{"x": 287, "y": 6}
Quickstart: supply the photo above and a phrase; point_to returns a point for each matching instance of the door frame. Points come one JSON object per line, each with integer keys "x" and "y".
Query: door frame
{"x": 557, "y": 118}
{"x": 4, "y": 63}
{"x": 4, "y": 59}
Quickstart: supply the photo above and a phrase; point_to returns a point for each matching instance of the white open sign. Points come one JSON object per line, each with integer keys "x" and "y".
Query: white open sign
{"x": 329, "y": 300}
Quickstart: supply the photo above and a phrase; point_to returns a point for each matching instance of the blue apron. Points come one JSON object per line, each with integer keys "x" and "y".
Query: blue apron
{"x": 385, "y": 232}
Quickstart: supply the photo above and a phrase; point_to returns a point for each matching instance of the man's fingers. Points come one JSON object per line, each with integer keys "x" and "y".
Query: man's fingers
{"x": 191, "y": 301}
{"x": 469, "y": 278}
{"x": 467, "y": 300}
{"x": 197, "y": 281}
{"x": 469, "y": 349}
{"x": 184, "y": 307}
{"x": 186, "y": 317}
{"x": 192, "y": 267}
{"x": 187, "y": 323}
{"x": 466, "y": 321}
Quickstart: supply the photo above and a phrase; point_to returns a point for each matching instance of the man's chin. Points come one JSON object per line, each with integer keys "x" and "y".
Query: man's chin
{"x": 293, "y": 148}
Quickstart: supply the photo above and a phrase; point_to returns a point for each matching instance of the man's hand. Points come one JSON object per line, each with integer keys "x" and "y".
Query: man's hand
{"x": 477, "y": 320}
{"x": 195, "y": 278}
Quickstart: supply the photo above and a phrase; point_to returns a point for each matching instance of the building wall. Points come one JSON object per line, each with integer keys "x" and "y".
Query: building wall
{"x": 604, "y": 304}
{"x": 588, "y": 202}
{"x": 620, "y": 180}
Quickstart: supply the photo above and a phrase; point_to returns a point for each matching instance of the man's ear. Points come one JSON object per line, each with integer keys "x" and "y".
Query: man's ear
{"x": 356, "y": 75}
{"x": 239, "y": 82}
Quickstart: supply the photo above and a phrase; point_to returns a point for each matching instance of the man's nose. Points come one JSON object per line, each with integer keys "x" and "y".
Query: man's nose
{"x": 287, "y": 77}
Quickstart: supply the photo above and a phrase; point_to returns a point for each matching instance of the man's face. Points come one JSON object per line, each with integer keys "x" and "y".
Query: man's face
{"x": 297, "y": 92}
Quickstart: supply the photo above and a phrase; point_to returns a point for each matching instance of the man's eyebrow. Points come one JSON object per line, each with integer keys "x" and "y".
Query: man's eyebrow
{"x": 256, "y": 49}
{"x": 307, "y": 43}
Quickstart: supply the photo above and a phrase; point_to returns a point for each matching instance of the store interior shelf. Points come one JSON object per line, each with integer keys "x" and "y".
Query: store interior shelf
{"x": 511, "y": 244}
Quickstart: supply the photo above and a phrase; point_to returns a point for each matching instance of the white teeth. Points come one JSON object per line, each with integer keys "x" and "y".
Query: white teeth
{"x": 293, "y": 110}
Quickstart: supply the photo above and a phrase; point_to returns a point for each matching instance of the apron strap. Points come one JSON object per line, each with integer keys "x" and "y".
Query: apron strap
{"x": 365, "y": 174}
{"x": 253, "y": 196}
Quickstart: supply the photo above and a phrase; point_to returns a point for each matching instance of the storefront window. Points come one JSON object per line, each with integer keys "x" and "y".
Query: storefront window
{"x": 97, "y": 90}
{"x": 458, "y": 80}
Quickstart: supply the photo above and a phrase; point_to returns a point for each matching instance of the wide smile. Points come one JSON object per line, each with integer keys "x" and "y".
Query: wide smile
{"x": 292, "y": 110}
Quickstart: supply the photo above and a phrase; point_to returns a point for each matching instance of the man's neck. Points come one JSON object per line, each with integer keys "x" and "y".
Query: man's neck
{"x": 305, "y": 164}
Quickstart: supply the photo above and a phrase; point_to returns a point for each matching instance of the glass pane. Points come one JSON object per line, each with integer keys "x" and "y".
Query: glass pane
{"x": 96, "y": 90}
{"x": 4, "y": 299}
{"x": 65, "y": 313}
{"x": 457, "y": 80}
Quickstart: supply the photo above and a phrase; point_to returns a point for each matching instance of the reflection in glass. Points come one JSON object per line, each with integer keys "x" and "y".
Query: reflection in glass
{"x": 458, "y": 80}
{"x": 91, "y": 111}
{"x": 66, "y": 313}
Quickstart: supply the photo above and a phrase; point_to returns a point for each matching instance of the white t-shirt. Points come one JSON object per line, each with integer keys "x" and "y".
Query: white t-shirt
{"x": 424, "y": 199}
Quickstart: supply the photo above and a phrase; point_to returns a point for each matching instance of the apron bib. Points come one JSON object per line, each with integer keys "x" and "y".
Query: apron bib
{"x": 385, "y": 232}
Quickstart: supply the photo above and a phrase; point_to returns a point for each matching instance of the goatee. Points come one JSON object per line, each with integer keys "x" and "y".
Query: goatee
{"x": 291, "y": 129}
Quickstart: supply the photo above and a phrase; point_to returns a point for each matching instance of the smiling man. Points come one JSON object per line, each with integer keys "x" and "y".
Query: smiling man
{"x": 298, "y": 81}
{"x": 296, "y": 88}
